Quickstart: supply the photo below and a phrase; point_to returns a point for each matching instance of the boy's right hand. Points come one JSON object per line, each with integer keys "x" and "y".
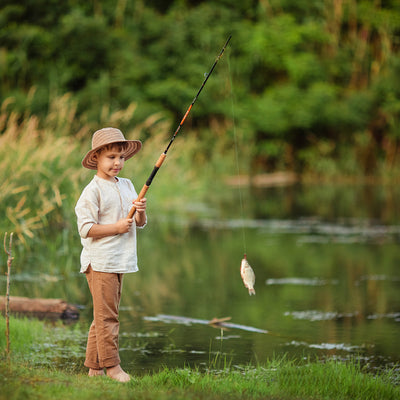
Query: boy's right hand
{"x": 124, "y": 225}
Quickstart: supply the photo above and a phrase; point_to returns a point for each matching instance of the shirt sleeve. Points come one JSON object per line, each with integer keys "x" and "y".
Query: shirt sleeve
{"x": 87, "y": 212}
{"x": 142, "y": 226}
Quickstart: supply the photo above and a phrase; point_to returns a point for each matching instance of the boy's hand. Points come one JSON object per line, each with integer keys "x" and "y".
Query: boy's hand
{"x": 140, "y": 215}
{"x": 124, "y": 225}
{"x": 140, "y": 205}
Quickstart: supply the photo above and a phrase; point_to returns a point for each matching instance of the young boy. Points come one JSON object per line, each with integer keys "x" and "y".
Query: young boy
{"x": 109, "y": 244}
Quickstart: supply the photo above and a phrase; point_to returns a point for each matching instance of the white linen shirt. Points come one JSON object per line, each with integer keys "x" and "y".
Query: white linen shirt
{"x": 106, "y": 202}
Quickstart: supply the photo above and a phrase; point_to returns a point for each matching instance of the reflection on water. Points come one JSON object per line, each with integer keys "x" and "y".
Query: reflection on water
{"x": 215, "y": 322}
{"x": 301, "y": 281}
{"x": 327, "y": 281}
{"x": 313, "y": 315}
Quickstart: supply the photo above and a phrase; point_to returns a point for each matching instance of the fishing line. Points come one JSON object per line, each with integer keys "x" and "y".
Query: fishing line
{"x": 235, "y": 139}
{"x": 246, "y": 272}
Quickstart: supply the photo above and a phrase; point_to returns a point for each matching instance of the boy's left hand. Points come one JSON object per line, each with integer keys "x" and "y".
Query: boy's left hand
{"x": 140, "y": 205}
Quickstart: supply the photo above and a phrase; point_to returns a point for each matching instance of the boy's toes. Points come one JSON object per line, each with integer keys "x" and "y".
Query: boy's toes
{"x": 95, "y": 372}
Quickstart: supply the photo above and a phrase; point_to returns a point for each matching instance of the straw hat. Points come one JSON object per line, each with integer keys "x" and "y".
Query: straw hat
{"x": 106, "y": 136}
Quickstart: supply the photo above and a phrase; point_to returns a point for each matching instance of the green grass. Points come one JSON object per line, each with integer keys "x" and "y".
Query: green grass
{"x": 274, "y": 380}
{"x": 279, "y": 379}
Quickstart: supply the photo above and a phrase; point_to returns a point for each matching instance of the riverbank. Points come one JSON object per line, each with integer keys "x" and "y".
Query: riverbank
{"x": 23, "y": 375}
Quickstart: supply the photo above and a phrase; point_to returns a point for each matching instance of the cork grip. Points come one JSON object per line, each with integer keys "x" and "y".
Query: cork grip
{"x": 140, "y": 197}
{"x": 160, "y": 160}
{"x": 148, "y": 182}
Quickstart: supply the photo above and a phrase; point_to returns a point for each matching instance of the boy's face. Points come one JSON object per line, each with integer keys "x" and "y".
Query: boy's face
{"x": 110, "y": 163}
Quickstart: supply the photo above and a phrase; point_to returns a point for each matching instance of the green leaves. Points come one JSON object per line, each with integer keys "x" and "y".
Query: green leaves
{"x": 297, "y": 69}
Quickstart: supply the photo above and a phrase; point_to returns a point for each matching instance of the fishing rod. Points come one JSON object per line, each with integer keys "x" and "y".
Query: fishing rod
{"x": 162, "y": 157}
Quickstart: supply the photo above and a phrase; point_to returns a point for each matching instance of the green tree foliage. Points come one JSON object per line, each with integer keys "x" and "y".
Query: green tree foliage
{"x": 311, "y": 79}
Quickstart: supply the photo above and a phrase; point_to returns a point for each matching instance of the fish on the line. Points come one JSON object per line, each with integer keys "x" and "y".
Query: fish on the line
{"x": 248, "y": 276}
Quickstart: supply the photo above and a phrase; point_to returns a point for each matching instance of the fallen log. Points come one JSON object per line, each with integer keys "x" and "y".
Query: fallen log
{"x": 40, "y": 308}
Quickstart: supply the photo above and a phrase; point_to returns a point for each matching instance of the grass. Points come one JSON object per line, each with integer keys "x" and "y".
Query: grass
{"x": 274, "y": 380}
{"x": 279, "y": 379}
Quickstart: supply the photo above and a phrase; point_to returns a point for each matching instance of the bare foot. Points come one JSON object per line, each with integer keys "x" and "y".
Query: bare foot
{"x": 118, "y": 374}
{"x": 95, "y": 372}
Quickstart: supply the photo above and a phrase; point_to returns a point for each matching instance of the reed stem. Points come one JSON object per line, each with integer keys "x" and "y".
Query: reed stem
{"x": 9, "y": 262}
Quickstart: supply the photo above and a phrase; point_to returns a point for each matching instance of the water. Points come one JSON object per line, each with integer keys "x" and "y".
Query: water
{"x": 327, "y": 282}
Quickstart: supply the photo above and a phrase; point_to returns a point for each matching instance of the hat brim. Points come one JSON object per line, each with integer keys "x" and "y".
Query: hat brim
{"x": 133, "y": 147}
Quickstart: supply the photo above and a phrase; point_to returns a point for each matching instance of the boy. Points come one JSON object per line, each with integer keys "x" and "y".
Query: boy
{"x": 109, "y": 244}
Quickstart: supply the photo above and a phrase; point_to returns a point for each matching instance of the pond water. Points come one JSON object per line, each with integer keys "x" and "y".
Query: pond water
{"x": 326, "y": 260}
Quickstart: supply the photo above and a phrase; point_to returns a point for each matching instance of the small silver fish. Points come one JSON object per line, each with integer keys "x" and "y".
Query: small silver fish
{"x": 248, "y": 276}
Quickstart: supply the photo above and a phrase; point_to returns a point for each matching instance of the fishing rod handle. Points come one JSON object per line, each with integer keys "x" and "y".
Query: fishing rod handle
{"x": 140, "y": 197}
{"x": 148, "y": 182}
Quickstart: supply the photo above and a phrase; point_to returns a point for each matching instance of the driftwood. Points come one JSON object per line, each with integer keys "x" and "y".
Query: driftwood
{"x": 220, "y": 323}
{"x": 41, "y": 308}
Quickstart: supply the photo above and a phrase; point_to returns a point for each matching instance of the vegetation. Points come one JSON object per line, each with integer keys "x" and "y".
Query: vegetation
{"x": 277, "y": 379}
{"x": 315, "y": 84}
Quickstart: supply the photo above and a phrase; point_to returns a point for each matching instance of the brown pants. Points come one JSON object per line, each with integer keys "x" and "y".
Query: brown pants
{"x": 102, "y": 344}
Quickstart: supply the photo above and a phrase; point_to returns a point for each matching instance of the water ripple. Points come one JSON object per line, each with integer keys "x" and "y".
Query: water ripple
{"x": 312, "y": 230}
{"x": 328, "y": 346}
{"x": 301, "y": 281}
{"x": 315, "y": 315}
